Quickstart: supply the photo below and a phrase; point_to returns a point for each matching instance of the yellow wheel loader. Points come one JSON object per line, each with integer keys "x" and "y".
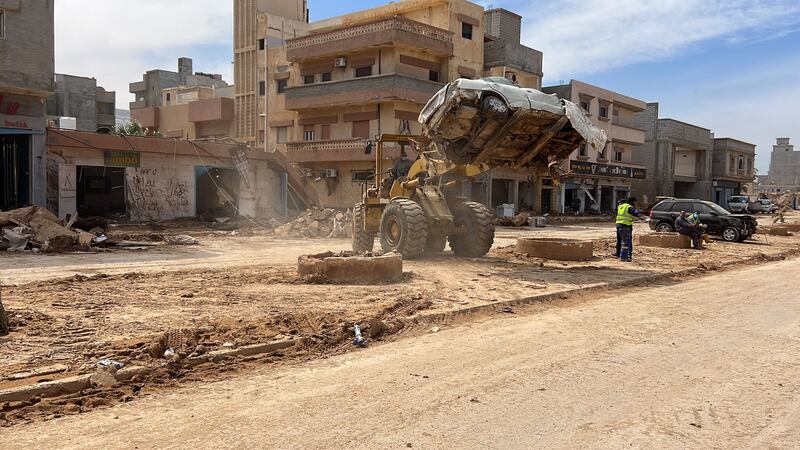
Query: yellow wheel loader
{"x": 469, "y": 127}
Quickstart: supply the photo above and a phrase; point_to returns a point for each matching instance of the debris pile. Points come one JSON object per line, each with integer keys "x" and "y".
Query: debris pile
{"x": 37, "y": 229}
{"x": 520, "y": 220}
{"x": 319, "y": 223}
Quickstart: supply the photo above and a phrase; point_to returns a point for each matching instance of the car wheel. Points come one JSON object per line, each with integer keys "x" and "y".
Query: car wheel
{"x": 664, "y": 227}
{"x": 730, "y": 234}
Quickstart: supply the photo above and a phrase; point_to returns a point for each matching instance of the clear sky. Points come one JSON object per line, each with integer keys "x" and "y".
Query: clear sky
{"x": 732, "y": 66}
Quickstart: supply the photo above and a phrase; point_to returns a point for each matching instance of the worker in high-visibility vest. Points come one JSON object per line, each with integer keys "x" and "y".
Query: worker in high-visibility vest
{"x": 626, "y": 214}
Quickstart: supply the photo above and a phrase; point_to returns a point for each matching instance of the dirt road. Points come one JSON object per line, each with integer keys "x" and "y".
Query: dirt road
{"x": 709, "y": 363}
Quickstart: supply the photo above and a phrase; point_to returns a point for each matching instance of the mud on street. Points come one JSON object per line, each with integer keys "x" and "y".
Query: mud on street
{"x": 69, "y": 311}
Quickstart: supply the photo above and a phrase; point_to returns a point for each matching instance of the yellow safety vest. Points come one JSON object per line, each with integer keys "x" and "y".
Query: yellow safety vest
{"x": 624, "y": 217}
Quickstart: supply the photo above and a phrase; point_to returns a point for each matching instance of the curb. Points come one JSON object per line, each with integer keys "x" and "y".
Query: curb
{"x": 72, "y": 385}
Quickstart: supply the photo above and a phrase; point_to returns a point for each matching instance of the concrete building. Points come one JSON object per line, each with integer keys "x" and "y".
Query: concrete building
{"x": 149, "y": 91}
{"x": 81, "y": 98}
{"x": 196, "y": 113}
{"x": 145, "y": 179}
{"x": 27, "y": 74}
{"x": 733, "y": 168}
{"x": 599, "y": 178}
{"x": 678, "y": 157}
{"x": 784, "y": 167}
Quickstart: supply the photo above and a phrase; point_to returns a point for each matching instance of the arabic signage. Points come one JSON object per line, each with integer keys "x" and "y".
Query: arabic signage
{"x": 606, "y": 170}
{"x": 122, "y": 159}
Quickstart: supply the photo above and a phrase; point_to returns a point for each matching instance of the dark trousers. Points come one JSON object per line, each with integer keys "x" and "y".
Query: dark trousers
{"x": 624, "y": 242}
{"x": 694, "y": 235}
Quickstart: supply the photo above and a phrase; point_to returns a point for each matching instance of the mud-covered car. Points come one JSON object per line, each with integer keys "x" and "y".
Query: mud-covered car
{"x": 491, "y": 121}
{"x": 720, "y": 222}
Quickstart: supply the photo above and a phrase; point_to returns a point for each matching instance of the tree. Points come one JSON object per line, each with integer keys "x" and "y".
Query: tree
{"x": 134, "y": 128}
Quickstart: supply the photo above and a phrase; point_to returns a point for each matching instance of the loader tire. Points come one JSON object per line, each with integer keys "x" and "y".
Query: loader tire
{"x": 363, "y": 241}
{"x": 478, "y": 237}
{"x": 404, "y": 228}
{"x": 4, "y": 327}
{"x": 436, "y": 243}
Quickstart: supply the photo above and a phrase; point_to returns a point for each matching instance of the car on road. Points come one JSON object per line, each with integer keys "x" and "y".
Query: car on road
{"x": 730, "y": 227}
{"x": 763, "y": 205}
{"x": 739, "y": 204}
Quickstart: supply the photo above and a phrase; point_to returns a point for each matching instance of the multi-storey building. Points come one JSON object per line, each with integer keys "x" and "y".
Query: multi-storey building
{"x": 733, "y": 168}
{"x": 149, "y": 91}
{"x": 27, "y": 74}
{"x": 599, "y": 179}
{"x": 319, "y": 91}
{"x": 197, "y": 112}
{"x": 678, "y": 157}
{"x": 81, "y": 98}
{"x": 784, "y": 168}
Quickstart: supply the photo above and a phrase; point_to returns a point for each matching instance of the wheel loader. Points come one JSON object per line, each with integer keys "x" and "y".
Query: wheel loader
{"x": 469, "y": 127}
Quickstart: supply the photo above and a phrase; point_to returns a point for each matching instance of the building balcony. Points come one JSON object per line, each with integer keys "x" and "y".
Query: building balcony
{"x": 333, "y": 150}
{"x": 359, "y": 91}
{"x": 396, "y": 30}
{"x": 106, "y": 120}
{"x": 501, "y": 53}
{"x": 626, "y": 135}
{"x": 138, "y": 86}
{"x": 137, "y": 105}
{"x": 211, "y": 110}
{"x": 106, "y": 97}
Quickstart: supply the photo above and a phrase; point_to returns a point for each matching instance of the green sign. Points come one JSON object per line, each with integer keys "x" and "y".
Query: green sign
{"x": 123, "y": 159}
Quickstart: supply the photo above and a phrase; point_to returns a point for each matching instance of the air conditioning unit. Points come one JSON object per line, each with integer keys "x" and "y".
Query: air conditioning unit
{"x": 340, "y": 63}
{"x": 330, "y": 173}
{"x": 308, "y": 173}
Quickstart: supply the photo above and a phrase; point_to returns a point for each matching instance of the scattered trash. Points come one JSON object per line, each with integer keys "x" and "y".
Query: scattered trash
{"x": 228, "y": 345}
{"x": 318, "y": 223}
{"x": 359, "y": 340}
{"x": 435, "y": 329}
{"x": 116, "y": 365}
{"x": 181, "y": 239}
{"x": 18, "y": 239}
{"x": 507, "y": 309}
{"x": 169, "y": 353}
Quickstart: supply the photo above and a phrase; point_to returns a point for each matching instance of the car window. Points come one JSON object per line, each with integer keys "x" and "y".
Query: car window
{"x": 682, "y": 206}
{"x": 663, "y": 206}
{"x": 702, "y": 209}
{"x": 717, "y": 209}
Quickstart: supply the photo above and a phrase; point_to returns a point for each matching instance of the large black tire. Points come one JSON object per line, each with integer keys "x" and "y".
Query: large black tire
{"x": 4, "y": 328}
{"x": 404, "y": 228}
{"x": 362, "y": 240}
{"x": 436, "y": 243}
{"x": 478, "y": 237}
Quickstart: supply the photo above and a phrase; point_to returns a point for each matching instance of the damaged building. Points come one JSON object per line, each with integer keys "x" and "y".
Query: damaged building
{"x": 146, "y": 179}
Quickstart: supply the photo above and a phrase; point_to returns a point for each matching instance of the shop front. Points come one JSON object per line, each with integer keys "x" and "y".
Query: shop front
{"x": 597, "y": 188}
{"x": 22, "y": 126}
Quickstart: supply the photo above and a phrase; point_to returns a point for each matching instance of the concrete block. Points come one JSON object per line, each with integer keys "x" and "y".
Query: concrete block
{"x": 348, "y": 267}
{"x": 665, "y": 240}
{"x": 556, "y": 249}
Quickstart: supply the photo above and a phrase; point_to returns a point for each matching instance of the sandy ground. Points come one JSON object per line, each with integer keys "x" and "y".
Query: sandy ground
{"x": 69, "y": 311}
{"x": 708, "y": 363}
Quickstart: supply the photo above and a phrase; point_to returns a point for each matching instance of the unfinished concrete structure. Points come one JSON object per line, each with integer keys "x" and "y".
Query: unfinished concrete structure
{"x": 27, "y": 68}
{"x": 599, "y": 178}
{"x": 733, "y": 168}
{"x": 82, "y": 99}
{"x": 678, "y": 157}
{"x": 197, "y": 112}
{"x": 148, "y": 92}
{"x": 784, "y": 168}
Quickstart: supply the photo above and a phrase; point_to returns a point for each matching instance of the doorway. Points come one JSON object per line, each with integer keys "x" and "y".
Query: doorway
{"x": 547, "y": 200}
{"x": 15, "y": 171}
{"x": 217, "y": 192}
{"x": 101, "y": 191}
{"x": 501, "y": 192}
{"x": 606, "y": 199}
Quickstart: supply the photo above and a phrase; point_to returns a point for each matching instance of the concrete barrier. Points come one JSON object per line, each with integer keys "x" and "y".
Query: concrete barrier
{"x": 665, "y": 240}
{"x": 556, "y": 249}
{"x": 348, "y": 267}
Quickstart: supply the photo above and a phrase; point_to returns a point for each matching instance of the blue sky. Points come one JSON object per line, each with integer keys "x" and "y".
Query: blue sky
{"x": 732, "y": 66}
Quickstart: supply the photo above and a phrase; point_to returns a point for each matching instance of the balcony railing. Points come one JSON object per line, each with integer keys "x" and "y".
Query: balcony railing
{"x": 328, "y": 145}
{"x": 358, "y": 91}
{"x": 386, "y": 31}
{"x": 627, "y": 123}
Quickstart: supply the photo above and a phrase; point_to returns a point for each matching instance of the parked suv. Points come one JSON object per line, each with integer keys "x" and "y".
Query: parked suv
{"x": 731, "y": 227}
{"x": 739, "y": 204}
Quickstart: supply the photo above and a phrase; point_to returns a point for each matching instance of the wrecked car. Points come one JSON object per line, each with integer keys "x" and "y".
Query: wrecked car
{"x": 491, "y": 121}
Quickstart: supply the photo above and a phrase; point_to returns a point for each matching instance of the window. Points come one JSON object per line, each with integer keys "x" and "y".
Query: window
{"x": 466, "y": 30}
{"x": 678, "y": 207}
{"x": 282, "y": 135}
{"x": 309, "y": 79}
{"x": 360, "y": 176}
{"x": 262, "y": 88}
{"x": 433, "y": 75}
{"x": 585, "y": 105}
{"x": 582, "y": 150}
{"x": 327, "y": 76}
{"x": 364, "y": 72}
{"x": 741, "y": 163}
{"x": 308, "y": 133}
{"x": 2, "y": 24}
{"x": 326, "y": 132}
{"x": 602, "y": 154}
{"x": 604, "y": 112}
{"x": 361, "y": 129}
{"x": 262, "y": 44}
{"x": 512, "y": 77}
{"x": 618, "y": 154}
{"x": 169, "y": 97}
{"x": 281, "y": 86}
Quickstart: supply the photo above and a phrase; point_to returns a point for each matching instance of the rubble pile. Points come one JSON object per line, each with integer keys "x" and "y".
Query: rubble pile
{"x": 318, "y": 223}
{"x": 520, "y": 220}
{"x": 37, "y": 229}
